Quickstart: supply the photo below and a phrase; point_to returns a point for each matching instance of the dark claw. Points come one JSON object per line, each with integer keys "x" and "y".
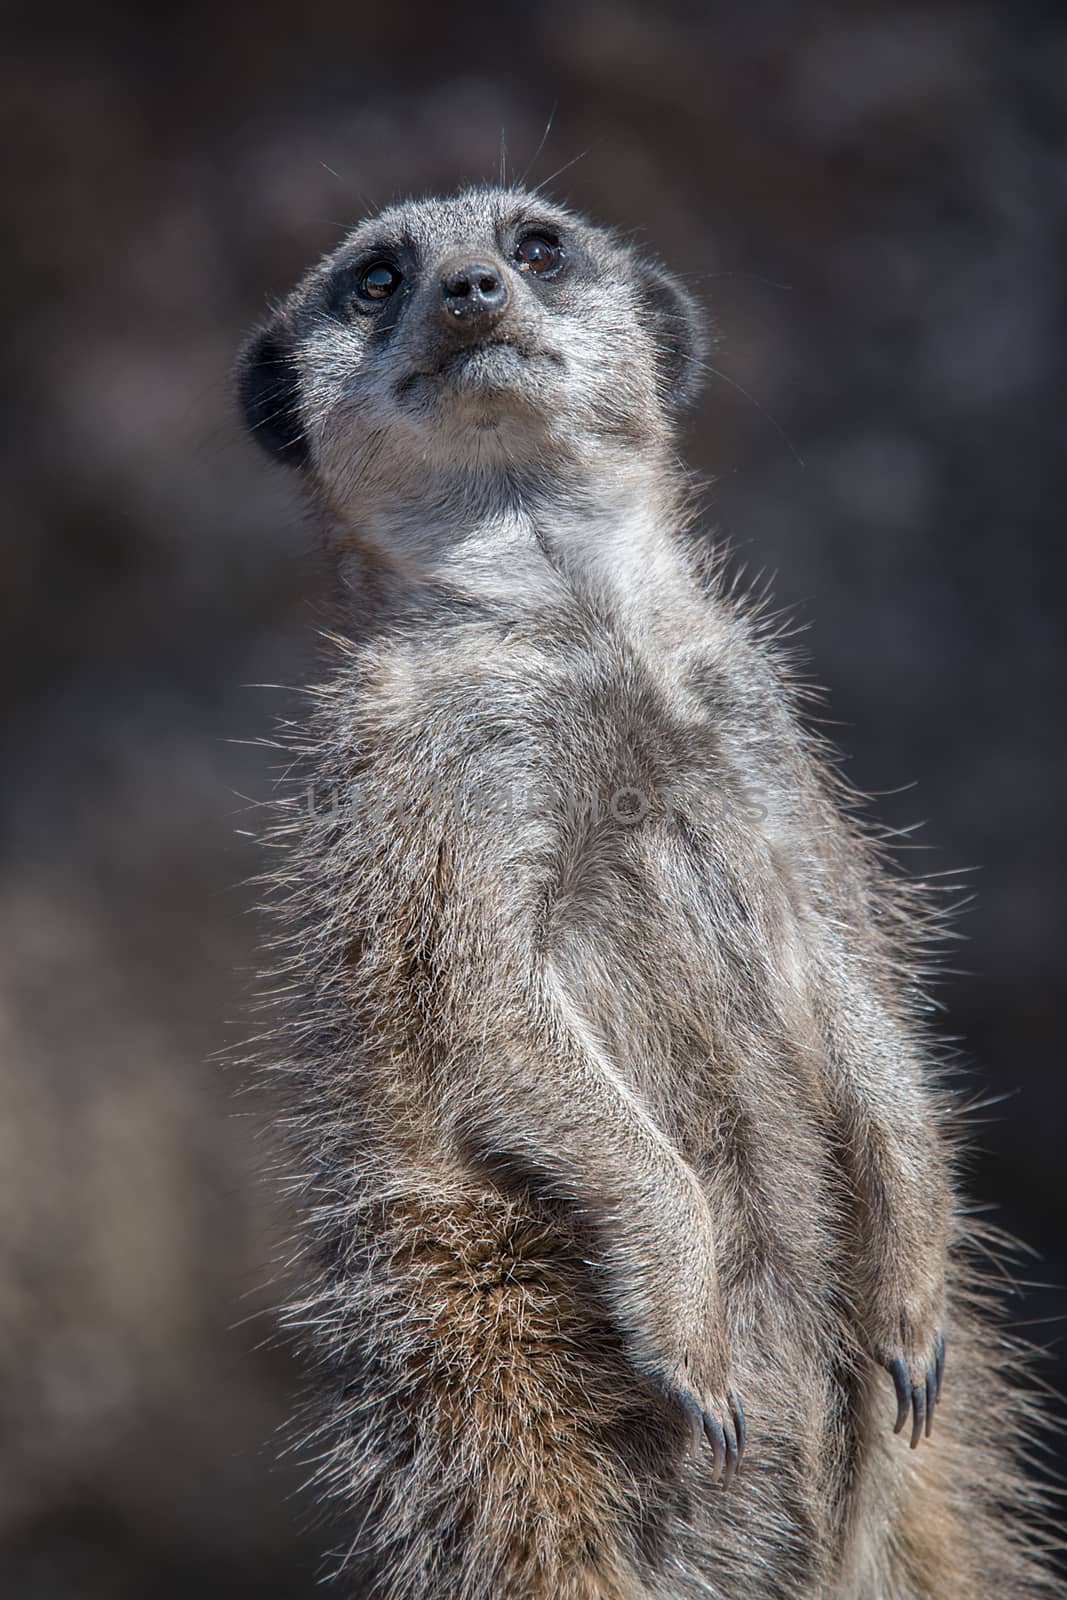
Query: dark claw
{"x": 740, "y": 1429}
{"x": 918, "y": 1401}
{"x": 731, "y": 1459}
{"x": 693, "y": 1416}
{"x": 899, "y": 1374}
{"x": 719, "y": 1452}
{"x": 931, "y": 1398}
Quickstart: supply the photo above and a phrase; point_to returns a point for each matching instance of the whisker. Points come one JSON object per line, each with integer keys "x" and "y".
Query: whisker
{"x": 364, "y": 199}
{"x": 734, "y": 272}
{"x": 541, "y": 143}
{"x": 538, "y": 187}
{"x": 706, "y": 366}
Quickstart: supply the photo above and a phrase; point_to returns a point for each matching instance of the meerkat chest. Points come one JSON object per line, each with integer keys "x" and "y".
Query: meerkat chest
{"x": 599, "y": 766}
{"x": 589, "y": 796}
{"x": 653, "y": 829}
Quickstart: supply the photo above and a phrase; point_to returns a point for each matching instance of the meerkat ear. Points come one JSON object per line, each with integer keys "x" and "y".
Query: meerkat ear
{"x": 679, "y": 330}
{"x": 268, "y": 389}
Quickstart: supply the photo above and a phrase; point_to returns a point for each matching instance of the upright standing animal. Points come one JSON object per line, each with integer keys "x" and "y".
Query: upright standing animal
{"x": 620, "y": 1127}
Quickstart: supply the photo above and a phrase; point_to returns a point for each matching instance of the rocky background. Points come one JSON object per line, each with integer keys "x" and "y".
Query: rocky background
{"x": 871, "y": 201}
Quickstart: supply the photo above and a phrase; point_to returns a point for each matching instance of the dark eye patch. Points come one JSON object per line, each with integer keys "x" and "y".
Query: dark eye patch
{"x": 371, "y": 282}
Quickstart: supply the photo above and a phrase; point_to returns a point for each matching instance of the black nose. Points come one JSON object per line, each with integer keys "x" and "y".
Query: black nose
{"x": 473, "y": 293}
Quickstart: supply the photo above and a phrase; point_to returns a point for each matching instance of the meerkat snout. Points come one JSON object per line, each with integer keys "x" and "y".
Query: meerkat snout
{"x": 473, "y": 294}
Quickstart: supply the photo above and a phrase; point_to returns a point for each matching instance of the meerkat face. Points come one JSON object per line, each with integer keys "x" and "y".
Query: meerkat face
{"x": 487, "y": 331}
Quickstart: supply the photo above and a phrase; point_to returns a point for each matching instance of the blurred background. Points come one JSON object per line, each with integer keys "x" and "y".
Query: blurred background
{"x": 871, "y": 201}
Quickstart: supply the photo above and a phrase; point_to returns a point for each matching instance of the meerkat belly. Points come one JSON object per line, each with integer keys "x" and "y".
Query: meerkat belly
{"x": 675, "y": 939}
{"x": 682, "y": 999}
{"x": 684, "y": 967}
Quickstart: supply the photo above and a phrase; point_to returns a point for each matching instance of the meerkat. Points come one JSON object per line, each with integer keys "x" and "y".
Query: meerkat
{"x": 627, "y": 1170}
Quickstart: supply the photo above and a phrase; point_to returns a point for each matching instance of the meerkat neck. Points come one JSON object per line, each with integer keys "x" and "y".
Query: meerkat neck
{"x": 608, "y": 533}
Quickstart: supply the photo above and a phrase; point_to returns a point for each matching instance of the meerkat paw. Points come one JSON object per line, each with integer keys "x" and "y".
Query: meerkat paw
{"x": 713, "y": 1412}
{"x": 719, "y": 1422}
{"x": 918, "y": 1385}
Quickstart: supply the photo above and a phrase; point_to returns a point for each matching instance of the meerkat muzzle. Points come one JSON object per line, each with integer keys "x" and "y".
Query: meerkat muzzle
{"x": 473, "y": 294}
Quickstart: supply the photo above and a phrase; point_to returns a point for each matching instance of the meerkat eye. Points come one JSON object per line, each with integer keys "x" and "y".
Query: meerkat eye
{"x": 538, "y": 253}
{"x": 378, "y": 281}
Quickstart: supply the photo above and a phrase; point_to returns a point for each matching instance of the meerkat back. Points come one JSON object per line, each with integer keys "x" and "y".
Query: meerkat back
{"x": 633, "y": 1243}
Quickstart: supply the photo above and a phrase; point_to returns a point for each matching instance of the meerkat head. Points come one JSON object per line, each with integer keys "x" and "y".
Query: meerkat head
{"x": 491, "y": 332}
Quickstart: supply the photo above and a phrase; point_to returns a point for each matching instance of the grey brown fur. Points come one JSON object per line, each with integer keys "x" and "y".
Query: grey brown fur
{"x": 602, "y": 1018}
